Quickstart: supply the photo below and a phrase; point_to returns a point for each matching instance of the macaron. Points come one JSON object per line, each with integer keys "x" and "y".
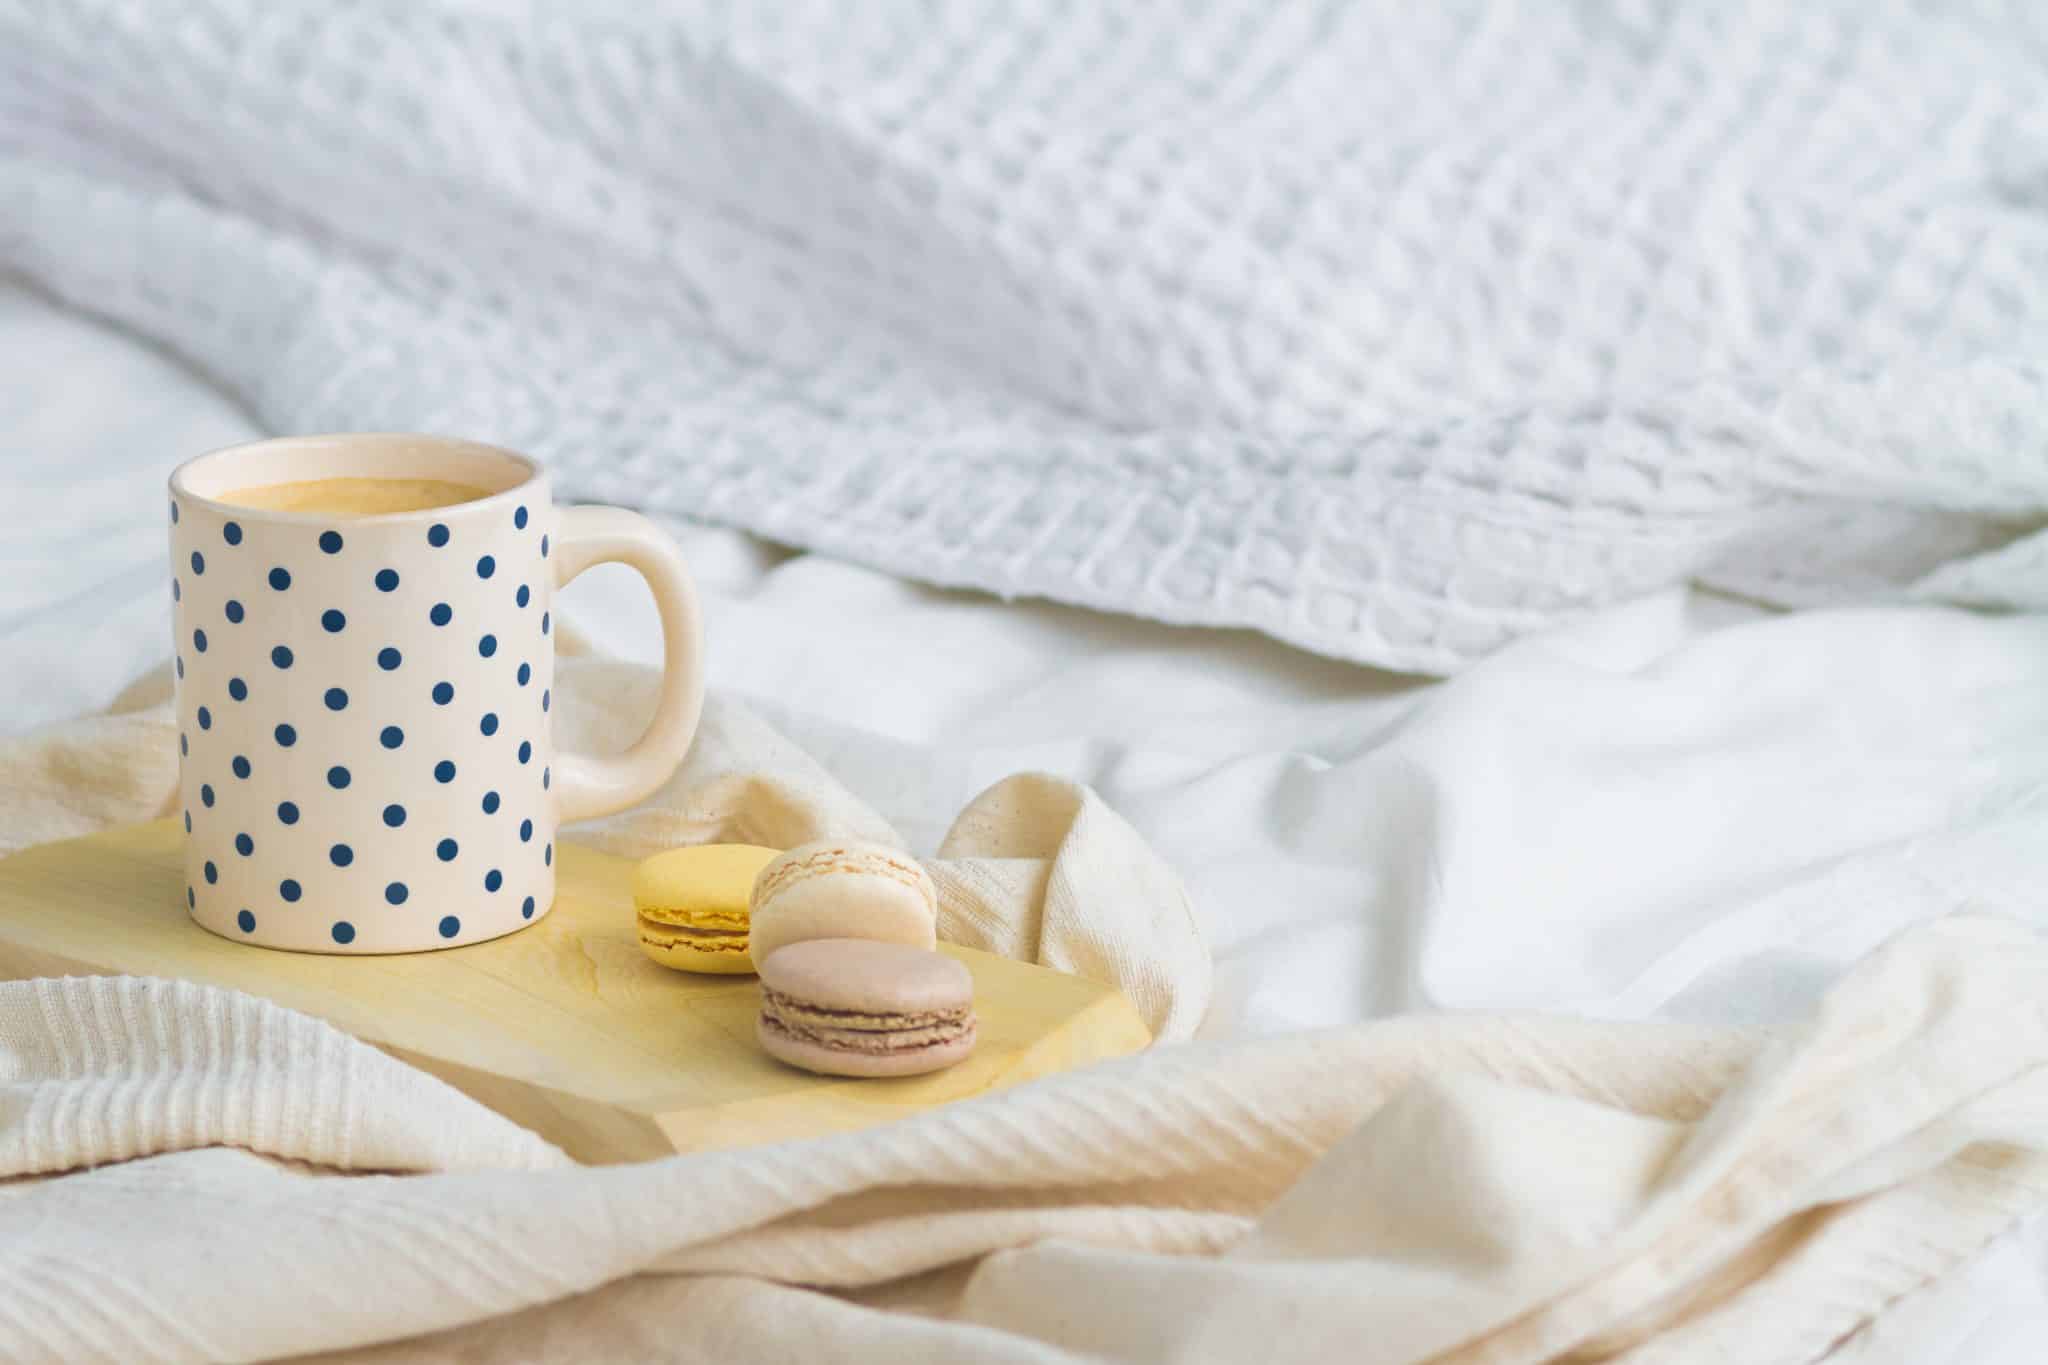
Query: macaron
{"x": 857, "y": 1007}
{"x": 838, "y": 889}
{"x": 692, "y": 905}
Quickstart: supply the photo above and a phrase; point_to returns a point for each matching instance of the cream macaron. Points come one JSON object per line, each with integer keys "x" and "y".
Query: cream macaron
{"x": 841, "y": 889}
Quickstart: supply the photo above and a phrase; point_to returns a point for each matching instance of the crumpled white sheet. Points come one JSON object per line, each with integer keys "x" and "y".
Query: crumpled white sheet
{"x": 1768, "y": 795}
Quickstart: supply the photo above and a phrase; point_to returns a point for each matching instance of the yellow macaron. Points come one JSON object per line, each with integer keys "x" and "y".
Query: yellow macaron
{"x": 692, "y": 906}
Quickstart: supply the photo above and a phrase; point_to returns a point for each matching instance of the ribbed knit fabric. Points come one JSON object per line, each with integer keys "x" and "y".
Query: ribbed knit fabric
{"x": 1395, "y": 331}
{"x": 104, "y": 1069}
{"x": 1458, "y": 1189}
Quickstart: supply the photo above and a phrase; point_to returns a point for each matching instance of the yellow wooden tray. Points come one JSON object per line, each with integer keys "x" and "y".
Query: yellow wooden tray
{"x": 563, "y": 1027}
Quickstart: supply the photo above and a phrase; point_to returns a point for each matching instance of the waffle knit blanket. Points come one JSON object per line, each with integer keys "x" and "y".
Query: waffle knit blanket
{"x": 1395, "y": 331}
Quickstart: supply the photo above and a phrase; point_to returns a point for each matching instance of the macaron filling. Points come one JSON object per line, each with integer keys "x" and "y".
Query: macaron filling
{"x": 704, "y": 938}
{"x": 863, "y": 1032}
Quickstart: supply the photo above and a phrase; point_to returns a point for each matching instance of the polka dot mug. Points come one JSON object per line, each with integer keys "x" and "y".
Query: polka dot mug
{"x": 365, "y": 703}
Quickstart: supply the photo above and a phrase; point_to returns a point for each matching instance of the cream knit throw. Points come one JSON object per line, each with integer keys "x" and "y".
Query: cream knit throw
{"x": 223, "y": 1178}
{"x": 1395, "y": 330}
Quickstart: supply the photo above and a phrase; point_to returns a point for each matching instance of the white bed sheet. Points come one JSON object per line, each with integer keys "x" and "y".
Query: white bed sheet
{"x": 1682, "y": 806}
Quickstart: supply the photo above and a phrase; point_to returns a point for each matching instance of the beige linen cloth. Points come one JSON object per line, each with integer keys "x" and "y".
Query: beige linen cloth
{"x": 196, "y": 1173}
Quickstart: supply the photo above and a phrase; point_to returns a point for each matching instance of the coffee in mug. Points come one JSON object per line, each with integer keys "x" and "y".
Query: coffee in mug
{"x": 354, "y": 497}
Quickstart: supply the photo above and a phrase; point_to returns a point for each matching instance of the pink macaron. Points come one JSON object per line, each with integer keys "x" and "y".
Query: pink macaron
{"x": 858, "y": 1007}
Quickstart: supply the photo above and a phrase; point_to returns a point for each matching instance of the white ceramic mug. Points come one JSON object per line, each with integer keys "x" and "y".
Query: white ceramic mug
{"x": 364, "y": 703}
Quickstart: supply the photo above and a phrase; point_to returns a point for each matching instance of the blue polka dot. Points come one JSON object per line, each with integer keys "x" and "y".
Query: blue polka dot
{"x": 188, "y": 822}
{"x": 343, "y": 931}
{"x": 212, "y": 873}
{"x": 332, "y": 621}
{"x": 523, "y": 596}
{"x": 437, "y": 535}
{"x": 177, "y": 593}
{"x": 442, "y": 614}
{"x": 238, "y": 689}
{"x": 543, "y": 623}
{"x": 184, "y": 747}
{"x": 525, "y": 831}
{"x": 547, "y": 698}
{"x": 232, "y": 533}
{"x": 330, "y": 541}
{"x": 286, "y": 736}
{"x": 191, "y": 901}
{"x": 281, "y": 657}
{"x": 526, "y": 908}
{"x": 486, "y": 646}
{"x": 336, "y": 698}
{"x": 549, "y": 856}
{"x": 289, "y": 889}
{"x": 525, "y": 674}
{"x": 206, "y": 795}
{"x": 388, "y": 658}
{"x": 490, "y": 803}
{"x": 489, "y": 724}
{"x": 445, "y": 850}
{"x": 233, "y": 611}
{"x": 519, "y": 517}
{"x": 493, "y": 879}
{"x": 444, "y": 771}
{"x": 241, "y": 766}
{"x": 244, "y": 845}
{"x": 443, "y": 693}
{"x": 341, "y": 855}
{"x": 547, "y": 775}
{"x": 199, "y": 640}
{"x": 485, "y": 567}
{"x": 181, "y": 665}
{"x": 287, "y": 813}
{"x": 280, "y": 579}
{"x": 246, "y": 922}
{"x": 205, "y": 719}
{"x": 450, "y": 926}
{"x": 198, "y": 562}
{"x": 174, "y": 514}
{"x": 525, "y": 750}
{"x": 543, "y": 547}
{"x": 391, "y": 737}
{"x": 387, "y": 579}
{"x": 337, "y": 777}
{"x": 395, "y": 893}
{"x": 394, "y": 815}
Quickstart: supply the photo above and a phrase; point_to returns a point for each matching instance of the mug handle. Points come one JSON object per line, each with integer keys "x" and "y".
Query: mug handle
{"x": 587, "y": 785}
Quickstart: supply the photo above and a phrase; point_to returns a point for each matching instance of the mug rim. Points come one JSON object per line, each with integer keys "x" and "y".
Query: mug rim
{"x": 180, "y": 479}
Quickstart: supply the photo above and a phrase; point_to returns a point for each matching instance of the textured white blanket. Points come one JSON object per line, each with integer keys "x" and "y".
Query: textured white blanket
{"x": 1392, "y": 330}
